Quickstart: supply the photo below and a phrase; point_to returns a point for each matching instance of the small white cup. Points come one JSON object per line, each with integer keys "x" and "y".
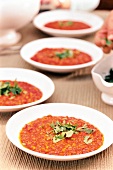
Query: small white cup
{"x": 99, "y": 72}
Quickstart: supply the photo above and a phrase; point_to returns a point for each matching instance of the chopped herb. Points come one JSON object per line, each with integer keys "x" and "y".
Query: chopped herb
{"x": 69, "y": 23}
{"x": 52, "y": 125}
{"x": 62, "y": 135}
{"x": 85, "y": 129}
{"x": 87, "y": 139}
{"x": 63, "y": 24}
{"x": 15, "y": 89}
{"x": 60, "y": 23}
{"x": 58, "y": 138}
{"x": 63, "y": 130}
{"x": 6, "y": 88}
{"x": 109, "y": 77}
{"x": 69, "y": 133}
{"x": 65, "y": 54}
{"x": 108, "y": 42}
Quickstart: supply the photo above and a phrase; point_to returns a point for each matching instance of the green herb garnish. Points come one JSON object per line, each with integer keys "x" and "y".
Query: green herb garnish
{"x": 65, "y": 54}
{"x": 62, "y": 135}
{"x": 66, "y": 130}
{"x": 68, "y": 23}
{"x": 109, "y": 77}
{"x": 87, "y": 139}
{"x": 108, "y": 42}
{"x": 6, "y": 88}
{"x": 85, "y": 129}
{"x": 60, "y": 23}
{"x": 63, "y": 24}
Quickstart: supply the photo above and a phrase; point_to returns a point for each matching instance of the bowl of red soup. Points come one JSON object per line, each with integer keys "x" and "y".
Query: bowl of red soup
{"x": 58, "y": 54}
{"x": 67, "y": 23}
{"x": 21, "y": 88}
{"x": 60, "y": 131}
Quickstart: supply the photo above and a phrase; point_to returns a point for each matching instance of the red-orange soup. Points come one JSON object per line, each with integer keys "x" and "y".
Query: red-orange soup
{"x": 38, "y": 136}
{"x": 61, "y": 56}
{"x": 29, "y": 94}
{"x": 67, "y": 25}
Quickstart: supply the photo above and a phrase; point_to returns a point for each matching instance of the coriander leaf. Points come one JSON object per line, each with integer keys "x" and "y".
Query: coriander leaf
{"x": 69, "y": 133}
{"x": 16, "y": 90}
{"x": 61, "y": 55}
{"x": 52, "y": 125}
{"x": 111, "y": 72}
{"x": 6, "y": 88}
{"x": 57, "y": 129}
{"x": 68, "y": 23}
{"x": 6, "y": 93}
{"x": 109, "y": 77}
{"x": 66, "y": 130}
{"x": 87, "y": 139}
{"x": 108, "y": 42}
{"x": 58, "y": 138}
{"x": 85, "y": 129}
{"x": 63, "y": 24}
{"x": 65, "y": 54}
{"x": 62, "y": 130}
{"x": 58, "y": 123}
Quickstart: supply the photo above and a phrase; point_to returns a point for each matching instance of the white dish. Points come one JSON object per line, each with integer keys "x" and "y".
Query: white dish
{"x": 99, "y": 72}
{"x": 31, "y": 48}
{"x": 11, "y": 19}
{"x": 98, "y": 119}
{"x": 84, "y": 5}
{"x": 91, "y": 19}
{"x": 37, "y": 79}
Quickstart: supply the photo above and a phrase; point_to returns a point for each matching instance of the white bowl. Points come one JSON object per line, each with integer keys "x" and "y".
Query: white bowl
{"x": 96, "y": 118}
{"x": 84, "y": 5}
{"x": 99, "y": 72}
{"x": 39, "y": 80}
{"x": 87, "y": 17}
{"x": 14, "y": 15}
{"x": 31, "y": 48}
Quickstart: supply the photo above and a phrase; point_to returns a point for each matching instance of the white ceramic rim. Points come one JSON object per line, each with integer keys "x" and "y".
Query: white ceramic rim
{"x": 91, "y": 115}
{"x": 27, "y": 72}
{"x": 40, "y": 25}
{"x": 81, "y": 45}
{"x": 99, "y": 64}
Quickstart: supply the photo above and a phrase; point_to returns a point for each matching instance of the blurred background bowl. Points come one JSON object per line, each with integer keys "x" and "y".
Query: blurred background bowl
{"x": 99, "y": 72}
{"x": 15, "y": 14}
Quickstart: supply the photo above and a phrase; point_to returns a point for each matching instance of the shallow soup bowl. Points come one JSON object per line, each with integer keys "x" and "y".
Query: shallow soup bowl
{"x": 99, "y": 72}
{"x": 34, "y": 78}
{"x": 94, "y": 117}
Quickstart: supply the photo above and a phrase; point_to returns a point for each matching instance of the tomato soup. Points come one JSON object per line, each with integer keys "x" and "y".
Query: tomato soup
{"x": 61, "y": 56}
{"x": 67, "y": 25}
{"x": 18, "y": 93}
{"x": 61, "y": 135}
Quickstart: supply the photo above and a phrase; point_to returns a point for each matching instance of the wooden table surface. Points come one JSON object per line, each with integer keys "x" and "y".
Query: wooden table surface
{"x": 69, "y": 88}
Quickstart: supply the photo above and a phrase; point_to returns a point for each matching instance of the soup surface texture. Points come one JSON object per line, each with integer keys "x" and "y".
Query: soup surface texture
{"x": 18, "y": 93}
{"x": 61, "y": 135}
{"x": 67, "y": 25}
{"x": 61, "y": 56}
